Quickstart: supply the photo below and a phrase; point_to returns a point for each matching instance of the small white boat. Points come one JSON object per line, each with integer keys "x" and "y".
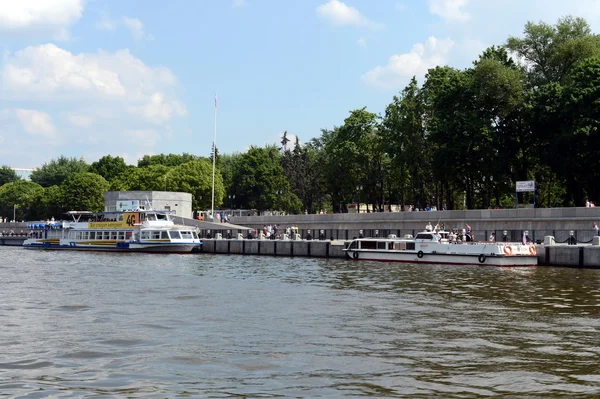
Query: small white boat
{"x": 431, "y": 247}
{"x": 128, "y": 231}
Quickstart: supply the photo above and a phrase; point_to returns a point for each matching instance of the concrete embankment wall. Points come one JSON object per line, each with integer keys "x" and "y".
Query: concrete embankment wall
{"x": 540, "y": 219}
{"x": 312, "y": 248}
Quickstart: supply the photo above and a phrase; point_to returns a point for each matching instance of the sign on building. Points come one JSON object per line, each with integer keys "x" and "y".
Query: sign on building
{"x": 129, "y": 205}
{"x": 525, "y": 186}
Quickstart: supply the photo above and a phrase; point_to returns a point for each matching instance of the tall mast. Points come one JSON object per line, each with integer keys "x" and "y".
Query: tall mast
{"x": 212, "y": 208}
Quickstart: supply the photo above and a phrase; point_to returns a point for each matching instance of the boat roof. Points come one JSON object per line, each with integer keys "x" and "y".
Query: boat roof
{"x": 113, "y": 212}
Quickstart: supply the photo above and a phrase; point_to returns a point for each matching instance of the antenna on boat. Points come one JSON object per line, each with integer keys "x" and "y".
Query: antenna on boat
{"x": 212, "y": 207}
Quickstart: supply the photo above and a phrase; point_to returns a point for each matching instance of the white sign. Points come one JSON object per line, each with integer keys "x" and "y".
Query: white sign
{"x": 524, "y": 186}
{"x": 129, "y": 205}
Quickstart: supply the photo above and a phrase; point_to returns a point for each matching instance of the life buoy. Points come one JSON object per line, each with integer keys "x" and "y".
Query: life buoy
{"x": 532, "y": 250}
{"x": 481, "y": 258}
{"x": 355, "y": 255}
{"x": 420, "y": 254}
{"x": 508, "y": 250}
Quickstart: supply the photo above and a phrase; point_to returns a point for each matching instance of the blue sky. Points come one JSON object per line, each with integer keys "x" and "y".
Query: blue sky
{"x": 127, "y": 78}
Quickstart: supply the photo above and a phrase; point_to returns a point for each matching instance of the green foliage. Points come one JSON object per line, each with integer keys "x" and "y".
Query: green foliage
{"x": 57, "y": 171}
{"x": 259, "y": 178}
{"x": 109, "y": 167}
{"x": 84, "y": 192}
{"x": 166, "y": 159}
{"x": 19, "y": 197}
{"x": 48, "y": 204}
{"x": 195, "y": 177}
{"x": 553, "y": 51}
{"x": 8, "y": 175}
{"x": 150, "y": 178}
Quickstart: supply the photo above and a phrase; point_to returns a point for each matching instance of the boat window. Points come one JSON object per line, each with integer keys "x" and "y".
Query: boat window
{"x": 78, "y": 235}
{"x": 174, "y": 234}
{"x": 368, "y": 244}
{"x": 186, "y": 235}
{"x": 127, "y": 235}
{"x": 151, "y": 217}
{"x": 113, "y": 235}
{"x": 353, "y": 245}
{"x": 105, "y": 235}
{"x": 160, "y": 216}
{"x": 424, "y": 236}
{"x": 195, "y": 235}
{"x": 156, "y": 235}
{"x": 164, "y": 235}
{"x": 121, "y": 235}
{"x": 92, "y": 235}
{"x": 145, "y": 234}
{"x": 381, "y": 245}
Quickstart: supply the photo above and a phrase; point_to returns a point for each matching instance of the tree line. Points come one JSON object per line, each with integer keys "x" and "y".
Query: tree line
{"x": 525, "y": 110}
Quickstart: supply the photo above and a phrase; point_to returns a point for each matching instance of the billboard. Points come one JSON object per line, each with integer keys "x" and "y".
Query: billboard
{"x": 524, "y": 186}
{"x": 129, "y": 205}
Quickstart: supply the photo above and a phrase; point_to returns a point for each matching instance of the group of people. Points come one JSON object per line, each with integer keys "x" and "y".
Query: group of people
{"x": 273, "y": 231}
{"x": 455, "y": 235}
{"x": 589, "y": 204}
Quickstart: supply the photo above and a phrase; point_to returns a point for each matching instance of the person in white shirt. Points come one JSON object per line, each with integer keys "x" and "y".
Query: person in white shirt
{"x": 429, "y": 227}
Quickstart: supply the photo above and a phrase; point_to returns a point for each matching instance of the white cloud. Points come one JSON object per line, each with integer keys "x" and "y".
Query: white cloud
{"x": 144, "y": 138}
{"x": 239, "y": 3}
{"x": 450, "y": 10}
{"x": 401, "y": 67}
{"x": 157, "y": 110}
{"x": 79, "y": 120}
{"x": 36, "y": 123}
{"x": 39, "y": 16}
{"x": 338, "y": 13}
{"x": 136, "y": 27}
{"x": 362, "y": 42}
{"x": 49, "y": 72}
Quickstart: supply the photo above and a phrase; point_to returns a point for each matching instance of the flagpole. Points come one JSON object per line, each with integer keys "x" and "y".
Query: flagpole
{"x": 212, "y": 209}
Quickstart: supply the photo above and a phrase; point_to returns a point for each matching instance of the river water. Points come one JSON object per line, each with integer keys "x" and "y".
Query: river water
{"x": 215, "y": 326}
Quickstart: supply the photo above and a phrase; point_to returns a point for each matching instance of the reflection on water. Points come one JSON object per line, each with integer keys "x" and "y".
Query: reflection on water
{"x": 81, "y": 324}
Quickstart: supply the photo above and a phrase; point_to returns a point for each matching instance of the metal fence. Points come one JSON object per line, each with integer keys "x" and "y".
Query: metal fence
{"x": 536, "y": 236}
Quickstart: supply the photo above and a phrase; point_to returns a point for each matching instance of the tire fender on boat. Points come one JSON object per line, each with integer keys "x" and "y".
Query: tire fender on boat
{"x": 508, "y": 250}
{"x": 481, "y": 258}
{"x": 355, "y": 255}
{"x": 532, "y": 250}
{"x": 420, "y": 254}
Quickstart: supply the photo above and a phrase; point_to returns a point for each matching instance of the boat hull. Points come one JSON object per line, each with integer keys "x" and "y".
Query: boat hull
{"x": 446, "y": 259}
{"x": 180, "y": 248}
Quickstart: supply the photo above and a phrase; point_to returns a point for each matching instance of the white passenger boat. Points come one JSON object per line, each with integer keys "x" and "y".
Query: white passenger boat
{"x": 431, "y": 247}
{"x": 129, "y": 231}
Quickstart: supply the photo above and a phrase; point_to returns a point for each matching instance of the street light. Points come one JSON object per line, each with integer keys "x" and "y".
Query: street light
{"x": 165, "y": 182}
{"x": 358, "y": 189}
{"x": 14, "y": 212}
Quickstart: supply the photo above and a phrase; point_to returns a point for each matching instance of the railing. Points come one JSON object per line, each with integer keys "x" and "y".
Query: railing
{"x": 536, "y": 236}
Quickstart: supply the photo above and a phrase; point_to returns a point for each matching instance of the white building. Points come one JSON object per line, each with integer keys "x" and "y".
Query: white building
{"x": 179, "y": 204}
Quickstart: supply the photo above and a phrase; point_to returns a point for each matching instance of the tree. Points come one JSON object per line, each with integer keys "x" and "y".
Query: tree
{"x": 551, "y": 52}
{"x": 195, "y": 177}
{"x": 405, "y": 142}
{"x": 259, "y": 178}
{"x": 166, "y": 159}
{"x": 284, "y": 141}
{"x": 48, "y": 204}
{"x": 8, "y": 175}
{"x": 84, "y": 191}
{"x": 19, "y": 198}
{"x": 150, "y": 178}
{"x": 109, "y": 167}
{"x": 57, "y": 171}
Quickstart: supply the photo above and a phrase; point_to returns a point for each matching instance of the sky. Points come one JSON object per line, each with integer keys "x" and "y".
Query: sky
{"x": 88, "y": 78}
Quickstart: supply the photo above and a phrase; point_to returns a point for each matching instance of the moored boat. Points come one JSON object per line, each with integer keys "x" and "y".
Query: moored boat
{"x": 127, "y": 231}
{"x": 432, "y": 247}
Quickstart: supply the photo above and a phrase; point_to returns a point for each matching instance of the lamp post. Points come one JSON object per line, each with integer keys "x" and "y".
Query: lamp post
{"x": 165, "y": 182}
{"x": 14, "y": 212}
{"x": 279, "y": 192}
{"x": 358, "y": 190}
